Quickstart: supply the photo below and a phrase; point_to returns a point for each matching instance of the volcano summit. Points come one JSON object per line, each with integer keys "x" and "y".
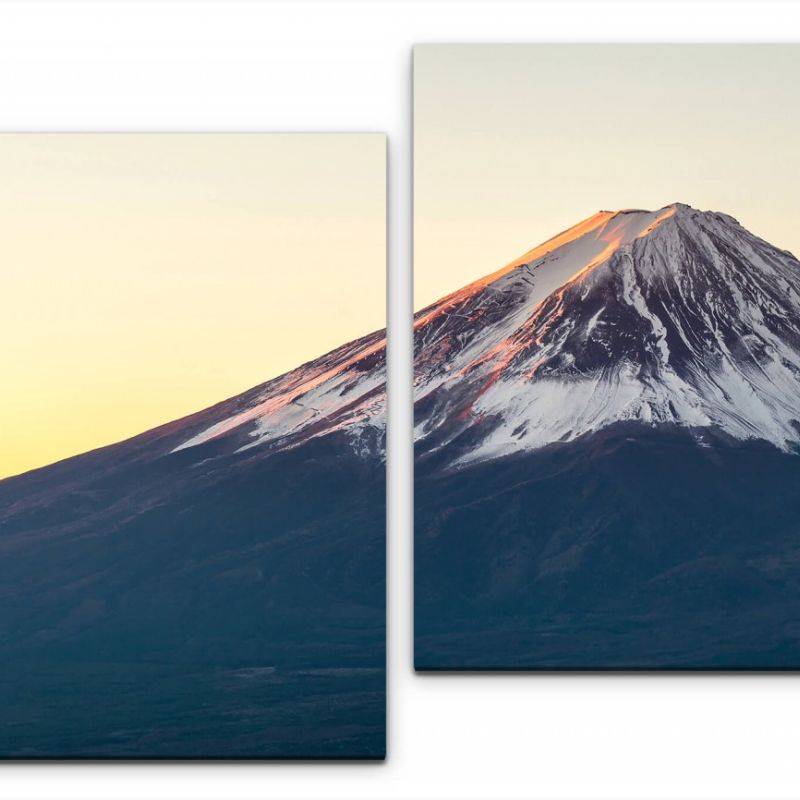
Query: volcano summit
{"x": 674, "y": 317}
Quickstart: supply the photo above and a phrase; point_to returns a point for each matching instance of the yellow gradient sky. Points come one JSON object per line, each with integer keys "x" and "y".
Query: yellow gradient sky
{"x": 145, "y": 277}
{"x": 514, "y": 143}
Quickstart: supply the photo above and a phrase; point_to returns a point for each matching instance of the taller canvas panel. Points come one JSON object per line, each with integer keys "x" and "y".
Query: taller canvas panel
{"x": 185, "y": 575}
{"x": 607, "y": 426}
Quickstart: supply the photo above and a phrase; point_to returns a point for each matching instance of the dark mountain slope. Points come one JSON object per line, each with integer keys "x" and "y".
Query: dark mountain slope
{"x": 169, "y": 598}
{"x": 627, "y": 549}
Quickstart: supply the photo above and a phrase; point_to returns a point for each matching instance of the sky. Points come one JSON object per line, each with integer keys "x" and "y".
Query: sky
{"x": 148, "y": 276}
{"x": 515, "y": 143}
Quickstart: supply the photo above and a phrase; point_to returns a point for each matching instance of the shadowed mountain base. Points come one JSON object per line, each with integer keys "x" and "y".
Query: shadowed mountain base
{"x": 201, "y": 603}
{"x": 633, "y": 548}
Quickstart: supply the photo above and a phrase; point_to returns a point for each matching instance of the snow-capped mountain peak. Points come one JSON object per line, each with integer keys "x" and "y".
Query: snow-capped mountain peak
{"x": 674, "y": 317}
{"x": 668, "y": 317}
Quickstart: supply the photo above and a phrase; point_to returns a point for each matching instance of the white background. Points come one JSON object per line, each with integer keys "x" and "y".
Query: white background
{"x": 333, "y": 65}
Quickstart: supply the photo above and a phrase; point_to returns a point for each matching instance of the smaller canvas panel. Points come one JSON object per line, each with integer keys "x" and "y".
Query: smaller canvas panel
{"x": 192, "y": 499}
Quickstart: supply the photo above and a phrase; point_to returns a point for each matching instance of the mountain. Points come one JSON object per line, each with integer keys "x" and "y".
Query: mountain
{"x": 607, "y": 433}
{"x": 669, "y": 317}
{"x": 211, "y": 588}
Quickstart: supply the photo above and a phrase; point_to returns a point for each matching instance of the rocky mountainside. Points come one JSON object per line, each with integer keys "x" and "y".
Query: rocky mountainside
{"x": 672, "y": 317}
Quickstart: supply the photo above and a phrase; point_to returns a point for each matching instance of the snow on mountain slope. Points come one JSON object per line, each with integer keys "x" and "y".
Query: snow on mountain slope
{"x": 674, "y": 316}
{"x": 669, "y": 317}
{"x": 343, "y": 390}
